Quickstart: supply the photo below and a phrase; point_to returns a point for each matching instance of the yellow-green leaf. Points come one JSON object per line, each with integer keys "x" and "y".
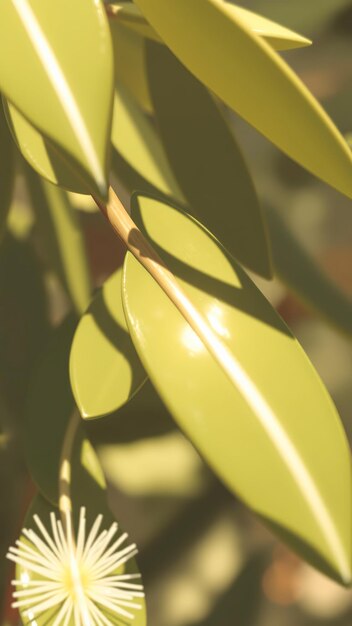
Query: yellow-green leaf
{"x": 206, "y": 160}
{"x": 61, "y": 76}
{"x": 62, "y": 239}
{"x": 137, "y": 142}
{"x": 41, "y": 153}
{"x": 130, "y": 67}
{"x": 279, "y": 37}
{"x": 6, "y": 170}
{"x": 105, "y": 370}
{"x": 248, "y": 75}
{"x": 259, "y": 414}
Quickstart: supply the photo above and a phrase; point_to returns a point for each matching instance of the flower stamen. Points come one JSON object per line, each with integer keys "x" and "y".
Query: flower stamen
{"x": 76, "y": 577}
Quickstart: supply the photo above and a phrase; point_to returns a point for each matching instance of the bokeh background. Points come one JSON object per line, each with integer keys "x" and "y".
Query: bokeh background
{"x": 206, "y": 560}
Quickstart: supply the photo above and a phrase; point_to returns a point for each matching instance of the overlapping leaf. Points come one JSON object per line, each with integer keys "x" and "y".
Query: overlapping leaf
{"x": 259, "y": 412}
{"x": 137, "y": 142}
{"x": 104, "y": 368}
{"x": 41, "y": 153}
{"x": 217, "y": 46}
{"x": 150, "y": 171}
{"x": 130, "y": 67}
{"x": 61, "y": 77}
{"x": 206, "y": 160}
{"x": 62, "y": 239}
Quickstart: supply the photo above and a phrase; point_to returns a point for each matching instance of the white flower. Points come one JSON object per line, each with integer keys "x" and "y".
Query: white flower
{"x": 76, "y": 579}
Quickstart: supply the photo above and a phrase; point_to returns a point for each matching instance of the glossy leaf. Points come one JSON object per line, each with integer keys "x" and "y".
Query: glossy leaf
{"x": 136, "y": 140}
{"x": 62, "y": 238}
{"x": 130, "y": 70}
{"x": 104, "y": 368}
{"x": 41, "y": 153}
{"x": 6, "y": 170}
{"x": 207, "y": 37}
{"x": 60, "y": 81}
{"x": 279, "y": 37}
{"x": 262, "y": 419}
{"x": 206, "y": 160}
{"x": 302, "y": 275}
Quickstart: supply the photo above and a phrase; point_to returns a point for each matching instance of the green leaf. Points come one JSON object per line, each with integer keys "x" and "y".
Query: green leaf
{"x": 41, "y": 153}
{"x": 62, "y": 238}
{"x": 206, "y": 160}
{"x": 7, "y": 171}
{"x": 279, "y": 37}
{"x": 260, "y": 415}
{"x": 137, "y": 142}
{"x": 130, "y": 67}
{"x": 104, "y": 368}
{"x": 244, "y": 71}
{"x": 301, "y": 274}
{"x": 49, "y": 406}
{"x": 61, "y": 77}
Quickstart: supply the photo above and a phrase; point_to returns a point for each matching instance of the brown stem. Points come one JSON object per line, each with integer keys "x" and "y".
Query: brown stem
{"x": 142, "y": 250}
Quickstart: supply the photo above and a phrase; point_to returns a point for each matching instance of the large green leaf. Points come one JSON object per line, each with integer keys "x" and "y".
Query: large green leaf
{"x": 258, "y": 413}
{"x": 61, "y": 76}
{"x": 41, "y": 153}
{"x": 62, "y": 239}
{"x": 206, "y": 160}
{"x": 239, "y": 67}
{"x": 6, "y": 170}
{"x": 278, "y": 36}
{"x": 302, "y": 275}
{"x": 104, "y": 368}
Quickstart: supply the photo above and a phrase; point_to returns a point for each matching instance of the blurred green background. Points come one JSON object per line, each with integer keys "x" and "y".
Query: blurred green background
{"x": 205, "y": 559}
